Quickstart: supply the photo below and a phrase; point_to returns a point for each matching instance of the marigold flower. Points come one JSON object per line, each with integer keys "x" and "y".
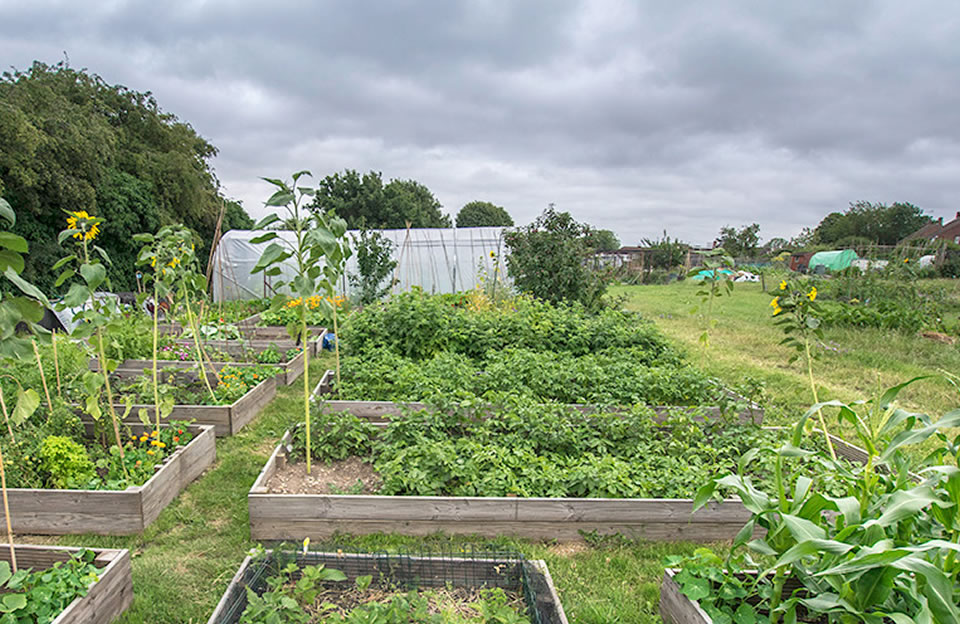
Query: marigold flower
{"x": 149, "y": 452}
{"x": 906, "y": 259}
{"x": 138, "y": 462}
{"x": 783, "y": 284}
{"x": 777, "y": 310}
{"x": 161, "y": 445}
{"x": 153, "y": 434}
{"x": 176, "y": 439}
{"x": 143, "y": 438}
{"x": 775, "y": 303}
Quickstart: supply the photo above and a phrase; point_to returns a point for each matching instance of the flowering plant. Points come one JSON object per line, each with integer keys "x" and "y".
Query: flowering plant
{"x": 796, "y": 313}
{"x": 319, "y": 251}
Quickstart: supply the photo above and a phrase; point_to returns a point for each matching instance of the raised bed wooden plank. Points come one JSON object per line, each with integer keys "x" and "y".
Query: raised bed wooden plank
{"x": 106, "y": 599}
{"x": 227, "y": 419}
{"x": 290, "y": 371}
{"x": 295, "y": 516}
{"x": 113, "y": 512}
{"x": 424, "y": 571}
{"x": 675, "y": 608}
{"x": 318, "y": 516}
{"x": 382, "y": 411}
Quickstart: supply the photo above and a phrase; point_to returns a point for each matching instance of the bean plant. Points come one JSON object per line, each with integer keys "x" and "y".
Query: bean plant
{"x": 319, "y": 251}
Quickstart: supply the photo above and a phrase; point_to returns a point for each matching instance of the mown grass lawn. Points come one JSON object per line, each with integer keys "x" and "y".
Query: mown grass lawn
{"x": 184, "y": 561}
{"x": 744, "y": 344}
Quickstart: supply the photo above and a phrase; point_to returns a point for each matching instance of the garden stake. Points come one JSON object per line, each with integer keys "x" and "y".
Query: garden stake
{"x": 56, "y": 363}
{"x": 3, "y": 404}
{"x": 196, "y": 341}
{"x": 43, "y": 378}
{"x": 306, "y": 375}
{"x": 156, "y": 331}
{"x": 6, "y": 510}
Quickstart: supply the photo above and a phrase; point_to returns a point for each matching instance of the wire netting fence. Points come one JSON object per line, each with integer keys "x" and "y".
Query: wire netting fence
{"x": 472, "y": 569}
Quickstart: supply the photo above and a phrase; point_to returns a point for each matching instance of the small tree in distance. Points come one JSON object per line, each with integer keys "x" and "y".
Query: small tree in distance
{"x": 483, "y": 214}
{"x": 548, "y": 259}
{"x": 375, "y": 262}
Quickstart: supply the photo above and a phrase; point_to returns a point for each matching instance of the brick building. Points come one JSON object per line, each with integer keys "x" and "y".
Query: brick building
{"x": 938, "y": 231}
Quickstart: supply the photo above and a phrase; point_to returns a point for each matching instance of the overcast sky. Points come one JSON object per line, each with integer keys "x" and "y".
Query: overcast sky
{"x": 634, "y": 116}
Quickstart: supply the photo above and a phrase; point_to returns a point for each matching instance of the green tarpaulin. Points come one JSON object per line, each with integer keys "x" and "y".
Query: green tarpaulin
{"x": 833, "y": 260}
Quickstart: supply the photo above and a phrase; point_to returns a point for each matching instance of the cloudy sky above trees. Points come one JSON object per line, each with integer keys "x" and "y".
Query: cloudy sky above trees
{"x": 634, "y": 116}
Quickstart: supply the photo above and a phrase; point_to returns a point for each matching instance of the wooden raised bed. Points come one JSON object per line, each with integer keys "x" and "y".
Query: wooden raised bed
{"x": 106, "y": 599}
{"x": 113, "y": 512}
{"x": 318, "y": 516}
{"x": 227, "y": 419}
{"x": 290, "y": 371}
{"x": 379, "y": 411}
{"x": 675, "y": 608}
{"x": 404, "y": 570}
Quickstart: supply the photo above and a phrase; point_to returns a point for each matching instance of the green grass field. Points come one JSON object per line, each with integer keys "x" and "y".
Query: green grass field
{"x": 182, "y": 563}
{"x": 744, "y": 344}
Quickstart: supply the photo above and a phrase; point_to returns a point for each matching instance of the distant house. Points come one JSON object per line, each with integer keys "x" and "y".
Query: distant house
{"x": 938, "y": 231}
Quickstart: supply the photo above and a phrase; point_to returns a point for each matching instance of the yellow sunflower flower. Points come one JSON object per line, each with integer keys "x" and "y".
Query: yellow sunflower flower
{"x": 77, "y": 220}
{"x": 783, "y": 284}
{"x": 812, "y": 294}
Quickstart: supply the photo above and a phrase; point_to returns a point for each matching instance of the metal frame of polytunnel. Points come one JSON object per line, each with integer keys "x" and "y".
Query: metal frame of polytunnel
{"x": 438, "y": 260}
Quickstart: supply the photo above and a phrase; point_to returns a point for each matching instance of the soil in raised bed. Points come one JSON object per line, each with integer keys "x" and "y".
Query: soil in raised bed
{"x": 348, "y": 476}
{"x": 442, "y": 600}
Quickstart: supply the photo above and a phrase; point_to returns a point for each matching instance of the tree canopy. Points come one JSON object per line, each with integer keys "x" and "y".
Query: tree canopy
{"x": 483, "y": 214}
{"x": 70, "y": 141}
{"x": 740, "y": 243}
{"x": 364, "y": 201}
{"x": 864, "y": 222}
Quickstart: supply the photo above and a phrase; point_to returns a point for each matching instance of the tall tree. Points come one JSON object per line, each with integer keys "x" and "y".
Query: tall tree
{"x": 874, "y": 223}
{"x": 483, "y": 214}
{"x": 69, "y": 140}
{"x": 740, "y": 243}
{"x": 364, "y": 201}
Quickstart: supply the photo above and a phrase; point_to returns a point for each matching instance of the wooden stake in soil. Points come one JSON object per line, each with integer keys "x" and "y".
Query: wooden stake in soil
{"x": 43, "y": 377}
{"x": 56, "y": 362}
{"x": 3, "y": 486}
{"x": 3, "y": 404}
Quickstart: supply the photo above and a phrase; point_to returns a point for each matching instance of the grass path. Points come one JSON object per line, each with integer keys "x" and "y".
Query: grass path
{"x": 744, "y": 345}
{"x": 184, "y": 561}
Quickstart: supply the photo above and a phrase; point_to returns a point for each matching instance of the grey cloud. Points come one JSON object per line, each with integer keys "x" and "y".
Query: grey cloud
{"x": 633, "y": 115}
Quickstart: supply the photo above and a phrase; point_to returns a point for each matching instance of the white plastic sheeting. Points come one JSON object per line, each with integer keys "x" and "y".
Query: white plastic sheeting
{"x": 439, "y": 260}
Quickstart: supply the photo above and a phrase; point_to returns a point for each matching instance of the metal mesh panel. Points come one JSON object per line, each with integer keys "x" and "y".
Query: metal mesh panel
{"x": 406, "y": 570}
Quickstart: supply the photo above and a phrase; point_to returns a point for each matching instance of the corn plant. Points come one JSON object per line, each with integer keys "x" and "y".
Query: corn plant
{"x": 318, "y": 251}
{"x": 878, "y": 545}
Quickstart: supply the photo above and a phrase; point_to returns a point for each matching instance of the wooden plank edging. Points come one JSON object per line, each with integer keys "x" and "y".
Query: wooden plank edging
{"x": 113, "y": 512}
{"x": 424, "y": 570}
{"x": 318, "y": 516}
{"x": 378, "y": 411}
{"x": 106, "y": 599}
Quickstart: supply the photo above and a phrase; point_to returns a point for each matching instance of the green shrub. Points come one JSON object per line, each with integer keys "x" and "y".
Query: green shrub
{"x": 66, "y": 462}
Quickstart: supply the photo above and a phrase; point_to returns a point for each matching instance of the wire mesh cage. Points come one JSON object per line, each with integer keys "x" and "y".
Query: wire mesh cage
{"x": 406, "y": 571}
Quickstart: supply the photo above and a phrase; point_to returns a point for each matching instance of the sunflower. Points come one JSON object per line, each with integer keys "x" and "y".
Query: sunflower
{"x": 79, "y": 220}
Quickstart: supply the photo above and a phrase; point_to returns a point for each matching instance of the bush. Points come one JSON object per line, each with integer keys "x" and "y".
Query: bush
{"x": 375, "y": 262}
{"x": 66, "y": 461}
{"x": 549, "y": 259}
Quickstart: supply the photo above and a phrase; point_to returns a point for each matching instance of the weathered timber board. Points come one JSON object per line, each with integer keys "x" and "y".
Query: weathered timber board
{"x": 106, "y": 599}
{"x": 290, "y": 371}
{"x": 381, "y": 411}
{"x": 675, "y": 608}
{"x": 227, "y": 419}
{"x": 318, "y": 516}
{"x": 422, "y": 571}
{"x": 112, "y": 512}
